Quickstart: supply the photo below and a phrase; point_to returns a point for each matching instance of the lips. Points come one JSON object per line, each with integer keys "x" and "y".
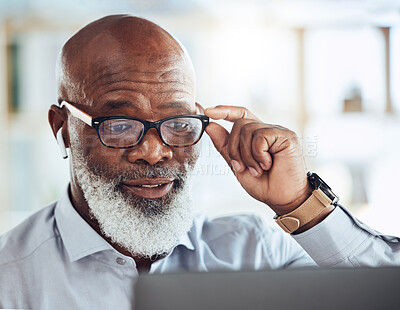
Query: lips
{"x": 149, "y": 188}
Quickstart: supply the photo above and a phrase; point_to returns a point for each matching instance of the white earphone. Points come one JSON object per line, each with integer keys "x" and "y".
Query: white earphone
{"x": 60, "y": 141}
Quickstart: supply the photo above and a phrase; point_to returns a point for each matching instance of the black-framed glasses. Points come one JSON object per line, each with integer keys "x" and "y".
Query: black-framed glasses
{"x": 124, "y": 132}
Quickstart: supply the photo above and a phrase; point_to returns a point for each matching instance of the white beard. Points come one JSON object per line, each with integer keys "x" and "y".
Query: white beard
{"x": 144, "y": 227}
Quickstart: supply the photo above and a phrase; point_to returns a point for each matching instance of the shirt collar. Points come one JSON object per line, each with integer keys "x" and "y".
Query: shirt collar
{"x": 185, "y": 241}
{"x": 80, "y": 239}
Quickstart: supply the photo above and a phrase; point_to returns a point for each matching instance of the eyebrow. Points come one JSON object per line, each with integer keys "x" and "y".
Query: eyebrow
{"x": 174, "y": 105}
{"x": 164, "y": 106}
{"x": 173, "y": 91}
{"x": 118, "y": 104}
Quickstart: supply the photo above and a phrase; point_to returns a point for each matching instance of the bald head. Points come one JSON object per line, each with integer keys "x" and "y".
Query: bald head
{"x": 104, "y": 47}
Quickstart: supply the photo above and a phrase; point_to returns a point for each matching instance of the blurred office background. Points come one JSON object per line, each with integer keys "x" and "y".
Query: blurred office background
{"x": 328, "y": 69}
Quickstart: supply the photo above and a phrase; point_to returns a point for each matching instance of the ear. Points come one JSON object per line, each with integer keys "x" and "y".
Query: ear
{"x": 58, "y": 120}
{"x": 199, "y": 108}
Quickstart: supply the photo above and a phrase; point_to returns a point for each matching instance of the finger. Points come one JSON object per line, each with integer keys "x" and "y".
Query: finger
{"x": 234, "y": 145}
{"x": 229, "y": 113}
{"x": 219, "y": 136}
{"x": 260, "y": 148}
{"x": 246, "y": 150}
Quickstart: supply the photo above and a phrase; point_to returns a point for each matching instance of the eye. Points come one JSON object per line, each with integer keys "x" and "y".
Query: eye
{"x": 179, "y": 125}
{"x": 118, "y": 128}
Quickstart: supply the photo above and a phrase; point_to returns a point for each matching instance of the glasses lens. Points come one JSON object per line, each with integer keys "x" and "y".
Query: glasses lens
{"x": 181, "y": 131}
{"x": 121, "y": 132}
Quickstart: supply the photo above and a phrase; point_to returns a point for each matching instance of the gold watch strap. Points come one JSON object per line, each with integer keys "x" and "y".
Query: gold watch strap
{"x": 310, "y": 209}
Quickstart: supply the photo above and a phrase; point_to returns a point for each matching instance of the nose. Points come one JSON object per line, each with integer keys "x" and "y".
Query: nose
{"x": 151, "y": 150}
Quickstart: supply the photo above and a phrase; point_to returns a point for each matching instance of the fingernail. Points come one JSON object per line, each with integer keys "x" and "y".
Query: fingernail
{"x": 263, "y": 166}
{"x": 253, "y": 171}
{"x": 235, "y": 165}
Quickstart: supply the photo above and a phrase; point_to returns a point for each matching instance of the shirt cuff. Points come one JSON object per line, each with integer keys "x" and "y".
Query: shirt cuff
{"x": 333, "y": 240}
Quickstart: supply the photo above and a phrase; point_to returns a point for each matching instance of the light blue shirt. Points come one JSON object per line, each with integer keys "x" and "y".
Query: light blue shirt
{"x": 55, "y": 260}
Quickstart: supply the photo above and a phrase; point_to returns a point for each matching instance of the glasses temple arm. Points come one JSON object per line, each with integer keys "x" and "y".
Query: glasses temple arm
{"x": 77, "y": 113}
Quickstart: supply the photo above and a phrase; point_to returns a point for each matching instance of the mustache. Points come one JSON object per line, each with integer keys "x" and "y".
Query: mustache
{"x": 116, "y": 176}
{"x": 153, "y": 172}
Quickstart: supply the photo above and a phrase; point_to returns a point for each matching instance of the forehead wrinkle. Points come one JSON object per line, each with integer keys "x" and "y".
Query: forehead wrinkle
{"x": 135, "y": 86}
{"x": 153, "y": 66}
{"x": 126, "y": 81}
{"x": 145, "y": 76}
{"x": 118, "y": 81}
{"x": 107, "y": 72}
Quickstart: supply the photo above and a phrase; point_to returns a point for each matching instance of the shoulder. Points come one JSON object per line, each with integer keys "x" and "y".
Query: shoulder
{"x": 245, "y": 241}
{"x": 238, "y": 229}
{"x": 235, "y": 242}
{"x": 24, "y": 239}
{"x": 240, "y": 223}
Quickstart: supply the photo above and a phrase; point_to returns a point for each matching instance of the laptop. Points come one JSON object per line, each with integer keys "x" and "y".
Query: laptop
{"x": 371, "y": 288}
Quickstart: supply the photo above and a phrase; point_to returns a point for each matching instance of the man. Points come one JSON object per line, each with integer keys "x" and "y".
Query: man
{"x": 127, "y": 112}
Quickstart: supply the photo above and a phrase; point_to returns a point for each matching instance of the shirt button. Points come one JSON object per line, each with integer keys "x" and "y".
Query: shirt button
{"x": 120, "y": 261}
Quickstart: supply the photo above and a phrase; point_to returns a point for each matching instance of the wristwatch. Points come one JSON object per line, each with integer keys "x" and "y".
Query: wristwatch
{"x": 321, "y": 198}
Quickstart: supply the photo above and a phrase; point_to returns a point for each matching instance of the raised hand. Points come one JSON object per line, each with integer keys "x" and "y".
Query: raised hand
{"x": 266, "y": 159}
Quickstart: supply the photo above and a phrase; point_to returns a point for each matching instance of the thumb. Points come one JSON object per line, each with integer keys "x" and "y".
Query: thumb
{"x": 219, "y": 136}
